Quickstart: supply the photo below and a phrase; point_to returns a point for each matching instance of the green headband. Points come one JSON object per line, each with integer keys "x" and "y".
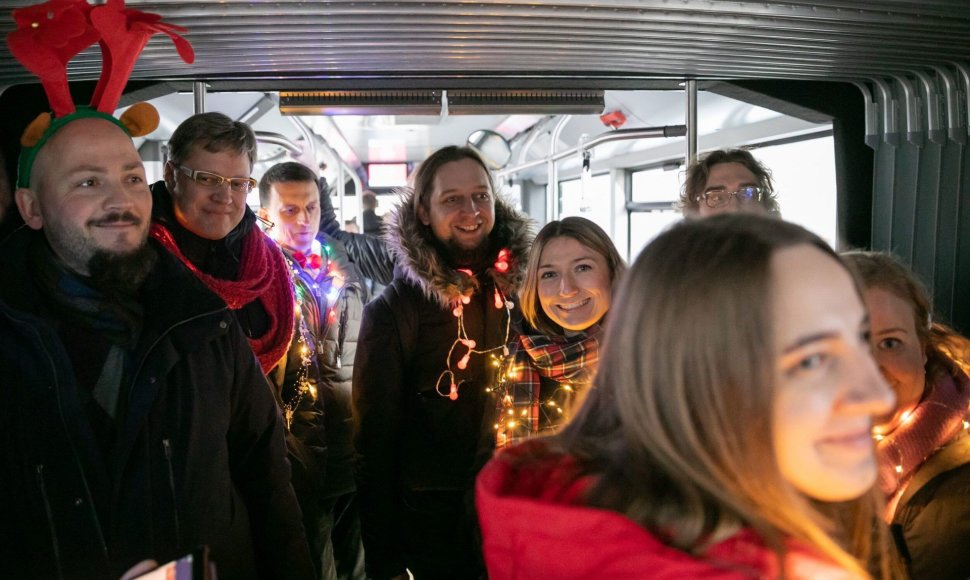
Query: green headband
{"x": 29, "y": 154}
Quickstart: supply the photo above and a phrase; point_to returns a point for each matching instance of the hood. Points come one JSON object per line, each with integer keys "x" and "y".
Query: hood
{"x": 535, "y": 525}
{"x": 420, "y": 262}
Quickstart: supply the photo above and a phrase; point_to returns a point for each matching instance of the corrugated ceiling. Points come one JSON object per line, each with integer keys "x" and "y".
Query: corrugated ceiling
{"x": 648, "y": 39}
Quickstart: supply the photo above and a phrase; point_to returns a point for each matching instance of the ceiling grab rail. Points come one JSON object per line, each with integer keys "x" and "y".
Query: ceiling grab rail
{"x": 618, "y": 135}
{"x": 890, "y": 133}
{"x": 965, "y": 74}
{"x": 552, "y": 185}
{"x": 313, "y": 140}
{"x": 934, "y": 126}
{"x": 871, "y": 116}
{"x": 952, "y": 96}
{"x": 914, "y": 131}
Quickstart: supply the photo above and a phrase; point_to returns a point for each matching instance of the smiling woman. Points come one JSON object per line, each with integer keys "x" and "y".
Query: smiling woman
{"x": 733, "y": 400}
{"x": 567, "y": 291}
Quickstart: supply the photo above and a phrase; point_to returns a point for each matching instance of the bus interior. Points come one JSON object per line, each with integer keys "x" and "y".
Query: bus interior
{"x": 859, "y": 107}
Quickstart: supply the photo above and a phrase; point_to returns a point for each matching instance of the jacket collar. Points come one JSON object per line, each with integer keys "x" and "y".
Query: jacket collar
{"x": 419, "y": 261}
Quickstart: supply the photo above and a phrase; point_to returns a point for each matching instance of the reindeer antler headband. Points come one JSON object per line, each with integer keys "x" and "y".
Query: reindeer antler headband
{"x": 50, "y": 34}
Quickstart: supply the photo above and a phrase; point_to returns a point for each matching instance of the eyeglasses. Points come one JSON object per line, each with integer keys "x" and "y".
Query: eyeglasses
{"x": 213, "y": 180}
{"x": 717, "y": 198}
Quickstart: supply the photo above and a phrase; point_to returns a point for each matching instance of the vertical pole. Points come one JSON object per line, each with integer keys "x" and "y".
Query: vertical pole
{"x": 198, "y": 93}
{"x": 690, "y": 87}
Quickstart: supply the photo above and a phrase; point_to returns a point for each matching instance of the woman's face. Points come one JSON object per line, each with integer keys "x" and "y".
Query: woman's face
{"x": 898, "y": 353}
{"x": 828, "y": 388}
{"x": 574, "y": 284}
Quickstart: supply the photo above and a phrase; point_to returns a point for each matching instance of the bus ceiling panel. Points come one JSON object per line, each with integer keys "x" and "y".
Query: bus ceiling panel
{"x": 703, "y": 39}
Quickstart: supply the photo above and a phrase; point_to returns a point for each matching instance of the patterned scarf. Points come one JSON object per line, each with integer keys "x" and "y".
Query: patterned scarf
{"x": 933, "y": 423}
{"x": 569, "y": 361}
{"x": 116, "y": 317}
{"x": 263, "y": 276}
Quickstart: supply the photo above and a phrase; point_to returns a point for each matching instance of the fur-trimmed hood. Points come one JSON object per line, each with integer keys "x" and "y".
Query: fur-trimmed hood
{"x": 420, "y": 262}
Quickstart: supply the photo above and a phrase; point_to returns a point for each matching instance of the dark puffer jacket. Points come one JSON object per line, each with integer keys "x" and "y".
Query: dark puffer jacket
{"x": 199, "y": 458}
{"x": 417, "y": 447}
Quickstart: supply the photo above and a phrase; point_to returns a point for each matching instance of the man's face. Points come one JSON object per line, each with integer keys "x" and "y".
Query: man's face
{"x": 461, "y": 207}
{"x": 294, "y": 208}
{"x": 208, "y": 211}
{"x": 723, "y": 184}
{"x": 88, "y": 194}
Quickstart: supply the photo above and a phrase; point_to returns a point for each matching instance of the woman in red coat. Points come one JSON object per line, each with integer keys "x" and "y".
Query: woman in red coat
{"x": 733, "y": 402}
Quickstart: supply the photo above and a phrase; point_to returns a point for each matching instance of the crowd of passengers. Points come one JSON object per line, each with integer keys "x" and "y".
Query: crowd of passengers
{"x": 179, "y": 370}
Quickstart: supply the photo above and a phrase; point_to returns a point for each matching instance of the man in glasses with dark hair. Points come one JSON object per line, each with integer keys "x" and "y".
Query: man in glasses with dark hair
{"x": 200, "y": 215}
{"x": 725, "y": 181}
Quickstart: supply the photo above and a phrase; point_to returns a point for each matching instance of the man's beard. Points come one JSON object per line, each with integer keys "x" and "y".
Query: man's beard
{"x": 121, "y": 274}
{"x": 461, "y": 257}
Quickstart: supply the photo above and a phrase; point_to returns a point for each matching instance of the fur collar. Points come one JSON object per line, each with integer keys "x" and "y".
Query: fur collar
{"x": 420, "y": 263}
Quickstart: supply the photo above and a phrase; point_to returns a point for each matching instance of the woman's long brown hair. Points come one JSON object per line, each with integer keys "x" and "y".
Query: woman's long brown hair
{"x": 678, "y": 423}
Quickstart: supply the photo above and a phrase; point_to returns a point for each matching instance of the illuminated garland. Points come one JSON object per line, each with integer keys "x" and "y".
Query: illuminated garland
{"x": 322, "y": 270}
{"x": 500, "y": 301}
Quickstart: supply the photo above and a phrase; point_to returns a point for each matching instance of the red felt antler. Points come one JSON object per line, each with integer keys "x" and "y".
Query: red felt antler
{"x": 124, "y": 33}
{"x": 49, "y": 35}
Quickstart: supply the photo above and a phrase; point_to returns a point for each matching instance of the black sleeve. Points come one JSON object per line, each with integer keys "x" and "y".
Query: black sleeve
{"x": 261, "y": 471}
{"x": 933, "y": 529}
{"x": 369, "y": 253}
{"x": 378, "y": 411}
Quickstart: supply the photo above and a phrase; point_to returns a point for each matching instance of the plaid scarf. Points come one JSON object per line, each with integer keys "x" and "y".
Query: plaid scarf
{"x": 569, "y": 361}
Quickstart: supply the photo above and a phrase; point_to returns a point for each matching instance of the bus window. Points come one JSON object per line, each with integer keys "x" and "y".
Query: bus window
{"x": 803, "y": 173}
{"x": 591, "y": 200}
{"x": 654, "y": 194}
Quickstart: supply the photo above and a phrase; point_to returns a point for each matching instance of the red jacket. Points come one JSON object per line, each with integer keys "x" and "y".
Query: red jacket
{"x": 534, "y": 525}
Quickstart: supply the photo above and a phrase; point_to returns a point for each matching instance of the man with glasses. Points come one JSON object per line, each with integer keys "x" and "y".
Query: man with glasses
{"x": 727, "y": 181}
{"x": 200, "y": 215}
{"x": 136, "y": 421}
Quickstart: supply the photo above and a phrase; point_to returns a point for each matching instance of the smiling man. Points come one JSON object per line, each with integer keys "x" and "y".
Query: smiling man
{"x": 424, "y": 362}
{"x": 136, "y": 421}
{"x": 201, "y": 216}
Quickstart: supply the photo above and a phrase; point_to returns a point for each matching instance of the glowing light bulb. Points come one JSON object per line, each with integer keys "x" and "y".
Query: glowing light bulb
{"x": 899, "y": 469}
{"x": 453, "y": 392}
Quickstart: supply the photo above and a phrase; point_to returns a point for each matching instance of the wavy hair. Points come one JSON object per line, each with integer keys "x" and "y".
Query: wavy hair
{"x": 699, "y": 171}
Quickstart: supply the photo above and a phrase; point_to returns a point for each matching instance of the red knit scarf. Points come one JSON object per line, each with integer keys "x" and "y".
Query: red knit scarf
{"x": 933, "y": 423}
{"x": 263, "y": 275}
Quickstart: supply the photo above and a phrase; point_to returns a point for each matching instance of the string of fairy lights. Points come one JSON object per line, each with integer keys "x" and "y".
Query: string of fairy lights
{"x": 501, "y": 302}
{"x": 328, "y": 273}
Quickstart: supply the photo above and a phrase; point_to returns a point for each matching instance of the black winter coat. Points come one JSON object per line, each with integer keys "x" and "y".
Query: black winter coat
{"x": 199, "y": 458}
{"x": 411, "y": 436}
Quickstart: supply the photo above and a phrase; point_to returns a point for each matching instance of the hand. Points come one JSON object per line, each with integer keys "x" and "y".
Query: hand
{"x": 140, "y": 568}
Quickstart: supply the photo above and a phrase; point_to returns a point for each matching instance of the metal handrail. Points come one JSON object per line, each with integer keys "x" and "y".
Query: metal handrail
{"x": 618, "y": 135}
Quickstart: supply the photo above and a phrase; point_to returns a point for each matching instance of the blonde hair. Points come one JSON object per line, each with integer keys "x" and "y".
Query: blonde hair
{"x": 586, "y": 233}
{"x": 678, "y": 420}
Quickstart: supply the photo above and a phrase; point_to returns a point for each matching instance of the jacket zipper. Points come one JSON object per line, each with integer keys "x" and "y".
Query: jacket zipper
{"x": 50, "y": 520}
{"x": 167, "y": 445}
